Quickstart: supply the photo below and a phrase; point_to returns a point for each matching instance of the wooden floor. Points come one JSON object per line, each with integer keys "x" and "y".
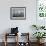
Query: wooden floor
{"x": 13, "y": 44}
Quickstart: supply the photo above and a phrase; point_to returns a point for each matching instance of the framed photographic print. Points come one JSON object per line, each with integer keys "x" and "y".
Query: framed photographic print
{"x": 18, "y": 13}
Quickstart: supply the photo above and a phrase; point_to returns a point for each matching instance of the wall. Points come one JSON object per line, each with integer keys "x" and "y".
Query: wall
{"x": 24, "y": 25}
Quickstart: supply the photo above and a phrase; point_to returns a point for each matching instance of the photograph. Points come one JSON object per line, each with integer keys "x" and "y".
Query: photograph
{"x": 18, "y": 13}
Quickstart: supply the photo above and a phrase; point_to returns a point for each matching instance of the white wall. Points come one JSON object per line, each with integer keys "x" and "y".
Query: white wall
{"x": 24, "y": 25}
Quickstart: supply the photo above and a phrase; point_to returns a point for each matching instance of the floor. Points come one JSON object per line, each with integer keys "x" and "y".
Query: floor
{"x": 13, "y": 44}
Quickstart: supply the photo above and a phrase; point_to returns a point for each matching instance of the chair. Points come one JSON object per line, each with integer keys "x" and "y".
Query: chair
{"x": 8, "y": 35}
{"x": 14, "y": 32}
{"x": 26, "y": 41}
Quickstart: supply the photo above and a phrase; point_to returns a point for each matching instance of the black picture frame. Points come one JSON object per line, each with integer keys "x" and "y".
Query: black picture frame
{"x": 18, "y": 13}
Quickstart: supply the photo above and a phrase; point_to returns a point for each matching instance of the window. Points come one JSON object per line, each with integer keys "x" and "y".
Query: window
{"x": 41, "y": 8}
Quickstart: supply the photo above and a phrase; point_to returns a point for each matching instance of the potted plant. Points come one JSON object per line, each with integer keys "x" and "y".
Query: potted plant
{"x": 35, "y": 26}
{"x": 38, "y": 27}
{"x": 39, "y": 35}
{"x": 42, "y": 27}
